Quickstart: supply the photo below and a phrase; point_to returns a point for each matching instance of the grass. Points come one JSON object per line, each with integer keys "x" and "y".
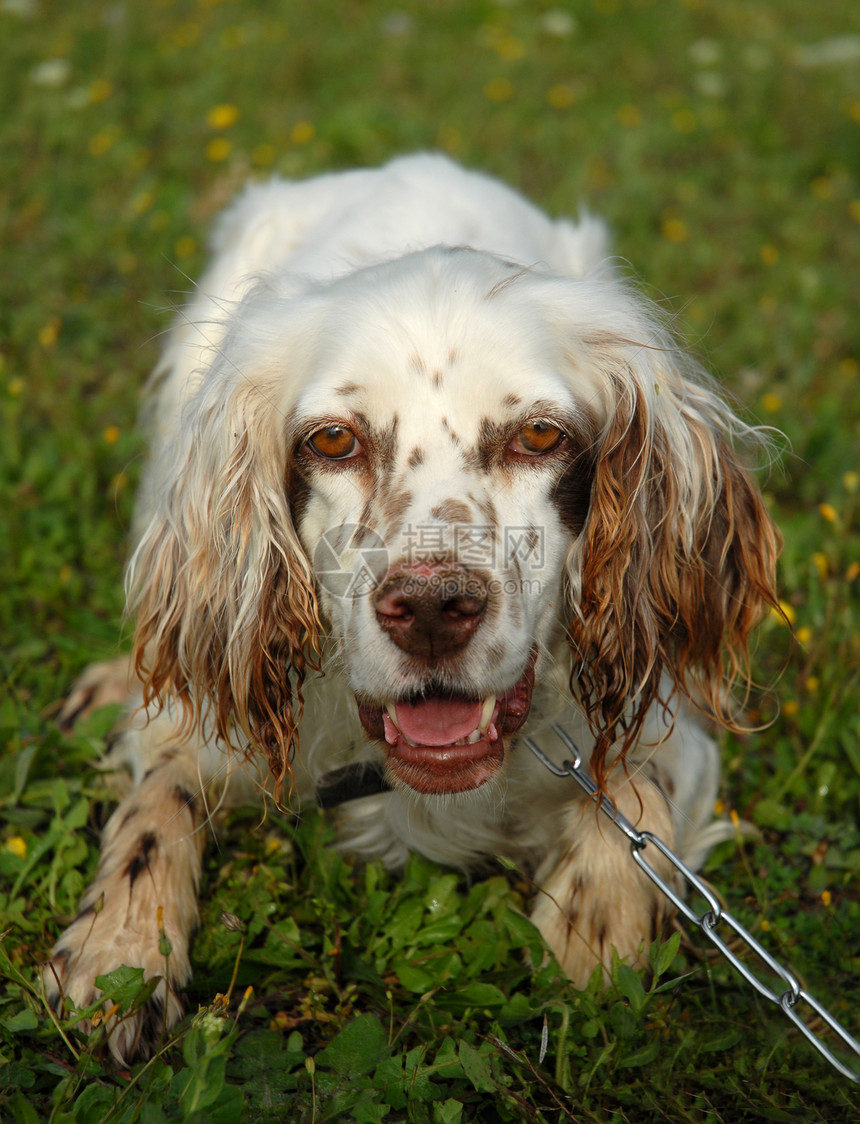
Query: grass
{"x": 726, "y": 155}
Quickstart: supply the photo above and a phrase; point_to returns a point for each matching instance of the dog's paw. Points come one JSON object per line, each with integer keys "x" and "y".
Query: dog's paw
{"x": 95, "y": 945}
{"x": 594, "y": 898}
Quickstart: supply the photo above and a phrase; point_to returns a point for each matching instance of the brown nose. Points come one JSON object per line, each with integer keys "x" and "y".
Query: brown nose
{"x": 431, "y": 612}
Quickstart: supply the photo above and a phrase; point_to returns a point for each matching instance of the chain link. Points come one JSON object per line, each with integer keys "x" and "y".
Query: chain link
{"x": 791, "y": 998}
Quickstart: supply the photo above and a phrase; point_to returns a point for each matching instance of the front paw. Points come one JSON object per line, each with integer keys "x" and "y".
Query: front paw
{"x": 92, "y": 947}
{"x": 594, "y": 898}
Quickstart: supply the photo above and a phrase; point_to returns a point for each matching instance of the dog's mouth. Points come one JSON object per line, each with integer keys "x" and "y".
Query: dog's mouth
{"x": 443, "y": 742}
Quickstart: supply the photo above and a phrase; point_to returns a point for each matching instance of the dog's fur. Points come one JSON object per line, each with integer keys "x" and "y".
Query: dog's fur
{"x": 416, "y": 444}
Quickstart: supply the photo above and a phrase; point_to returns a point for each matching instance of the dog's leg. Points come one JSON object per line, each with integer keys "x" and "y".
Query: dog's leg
{"x": 593, "y": 897}
{"x": 142, "y": 906}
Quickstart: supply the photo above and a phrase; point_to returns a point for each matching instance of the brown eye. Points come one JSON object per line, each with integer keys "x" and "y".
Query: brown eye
{"x": 335, "y": 443}
{"x": 537, "y": 437}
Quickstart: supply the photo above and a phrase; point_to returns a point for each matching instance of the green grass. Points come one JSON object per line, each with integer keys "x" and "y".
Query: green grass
{"x": 730, "y": 170}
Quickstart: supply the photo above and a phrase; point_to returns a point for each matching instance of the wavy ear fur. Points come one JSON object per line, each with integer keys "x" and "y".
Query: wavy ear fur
{"x": 227, "y": 619}
{"x": 678, "y": 556}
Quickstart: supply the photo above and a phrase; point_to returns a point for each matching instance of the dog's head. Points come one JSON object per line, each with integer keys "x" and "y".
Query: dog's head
{"x": 432, "y": 463}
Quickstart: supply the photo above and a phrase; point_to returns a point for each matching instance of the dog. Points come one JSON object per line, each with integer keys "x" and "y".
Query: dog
{"x": 427, "y": 475}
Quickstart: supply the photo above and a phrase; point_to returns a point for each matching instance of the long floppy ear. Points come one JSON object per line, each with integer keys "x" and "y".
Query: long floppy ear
{"x": 678, "y": 556}
{"x": 227, "y": 621}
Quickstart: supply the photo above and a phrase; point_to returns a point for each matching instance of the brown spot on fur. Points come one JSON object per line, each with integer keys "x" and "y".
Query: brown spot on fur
{"x": 511, "y": 400}
{"x": 455, "y": 440}
{"x": 396, "y": 505}
{"x": 140, "y": 862}
{"x": 493, "y": 438}
{"x": 348, "y": 388}
{"x": 451, "y": 511}
{"x": 129, "y": 815}
{"x": 163, "y": 760}
{"x": 436, "y": 379}
{"x": 381, "y": 444}
{"x": 415, "y": 458}
{"x": 487, "y": 509}
{"x": 184, "y": 797}
{"x": 453, "y": 356}
{"x": 366, "y": 518}
{"x": 416, "y": 363}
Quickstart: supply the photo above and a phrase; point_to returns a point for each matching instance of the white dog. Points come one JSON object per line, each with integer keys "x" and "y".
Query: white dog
{"x": 426, "y": 475}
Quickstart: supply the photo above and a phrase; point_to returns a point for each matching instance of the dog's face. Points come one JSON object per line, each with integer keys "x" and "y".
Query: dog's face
{"x": 434, "y": 463}
{"x": 441, "y": 467}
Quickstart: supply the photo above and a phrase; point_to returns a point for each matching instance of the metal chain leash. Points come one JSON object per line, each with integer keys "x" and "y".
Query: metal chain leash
{"x": 792, "y": 999}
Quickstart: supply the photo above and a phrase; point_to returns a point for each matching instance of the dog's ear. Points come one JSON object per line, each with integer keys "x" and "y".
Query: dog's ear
{"x": 227, "y": 619}
{"x": 677, "y": 560}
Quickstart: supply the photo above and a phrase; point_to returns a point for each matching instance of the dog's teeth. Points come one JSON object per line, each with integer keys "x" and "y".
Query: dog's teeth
{"x": 475, "y": 736}
{"x": 487, "y": 713}
{"x": 390, "y": 711}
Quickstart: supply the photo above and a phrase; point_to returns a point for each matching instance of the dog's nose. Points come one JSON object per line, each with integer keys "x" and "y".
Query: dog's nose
{"x": 431, "y": 612}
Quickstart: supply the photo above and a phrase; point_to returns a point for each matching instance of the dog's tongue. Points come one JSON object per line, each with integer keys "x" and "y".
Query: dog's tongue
{"x": 438, "y": 721}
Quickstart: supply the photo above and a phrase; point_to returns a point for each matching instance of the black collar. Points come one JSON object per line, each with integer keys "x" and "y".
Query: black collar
{"x": 362, "y": 778}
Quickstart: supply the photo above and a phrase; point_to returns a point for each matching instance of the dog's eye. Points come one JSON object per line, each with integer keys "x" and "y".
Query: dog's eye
{"x": 537, "y": 437}
{"x": 335, "y": 443}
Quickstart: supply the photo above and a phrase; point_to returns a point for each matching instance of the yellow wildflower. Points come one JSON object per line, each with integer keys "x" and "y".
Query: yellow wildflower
{"x": 675, "y": 230}
{"x": 629, "y": 116}
{"x": 769, "y": 254}
{"x": 103, "y": 141}
{"x": 509, "y": 48}
{"x": 111, "y": 435}
{"x": 771, "y": 402}
{"x": 48, "y": 332}
{"x": 218, "y": 150}
{"x": 16, "y": 845}
{"x": 302, "y": 132}
{"x": 787, "y": 614}
{"x": 100, "y": 90}
{"x": 828, "y": 511}
{"x": 184, "y": 246}
{"x": 499, "y": 89}
{"x": 222, "y": 116}
{"x": 561, "y": 96}
{"x": 684, "y": 121}
{"x": 142, "y": 202}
